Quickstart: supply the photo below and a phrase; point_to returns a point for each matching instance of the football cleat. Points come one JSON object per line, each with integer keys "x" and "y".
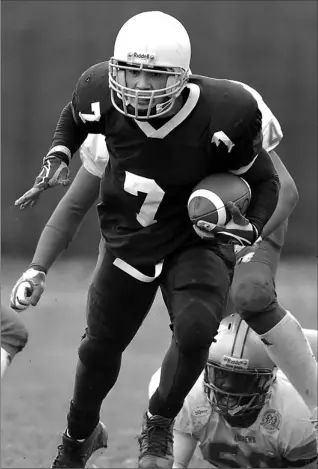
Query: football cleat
{"x": 74, "y": 453}
{"x": 156, "y": 443}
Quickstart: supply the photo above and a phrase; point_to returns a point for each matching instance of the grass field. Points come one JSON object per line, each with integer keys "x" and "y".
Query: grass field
{"x": 37, "y": 388}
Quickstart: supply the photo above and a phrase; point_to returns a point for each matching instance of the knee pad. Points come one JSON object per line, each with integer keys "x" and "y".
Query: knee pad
{"x": 254, "y": 295}
{"x": 98, "y": 354}
{"x": 195, "y": 327}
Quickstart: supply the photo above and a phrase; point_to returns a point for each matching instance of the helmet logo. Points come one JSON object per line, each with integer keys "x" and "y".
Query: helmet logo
{"x": 235, "y": 362}
{"x": 147, "y": 58}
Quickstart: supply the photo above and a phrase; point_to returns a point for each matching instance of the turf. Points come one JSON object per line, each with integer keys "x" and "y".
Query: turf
{"x": 37, "y": 387}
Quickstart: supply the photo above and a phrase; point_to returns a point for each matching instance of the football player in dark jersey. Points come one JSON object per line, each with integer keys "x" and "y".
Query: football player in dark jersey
{"x": 165, "y": 132}
{"x": 14, "y": 336}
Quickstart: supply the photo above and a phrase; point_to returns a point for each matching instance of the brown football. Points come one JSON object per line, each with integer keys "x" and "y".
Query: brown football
{"x": 209, "y": 198}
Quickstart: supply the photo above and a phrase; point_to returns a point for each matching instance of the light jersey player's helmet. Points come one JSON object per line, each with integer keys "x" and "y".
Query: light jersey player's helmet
{"x": 239, "y": 374}
{"x": 155, "y": 42}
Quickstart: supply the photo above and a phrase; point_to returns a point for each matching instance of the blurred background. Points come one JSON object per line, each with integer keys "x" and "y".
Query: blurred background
{"x": 271, "y": 46}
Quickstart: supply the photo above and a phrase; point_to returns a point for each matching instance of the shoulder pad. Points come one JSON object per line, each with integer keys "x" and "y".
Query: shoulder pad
{"x": 272, "y": 132}
{"x": 228, "y": 99}
{"x": 94, "y": 154}
{"x": 92, "y": 87}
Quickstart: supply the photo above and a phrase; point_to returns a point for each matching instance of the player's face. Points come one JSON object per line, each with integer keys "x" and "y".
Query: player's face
{"x": 142, "y": 80}
{"x": 232, "y": 382}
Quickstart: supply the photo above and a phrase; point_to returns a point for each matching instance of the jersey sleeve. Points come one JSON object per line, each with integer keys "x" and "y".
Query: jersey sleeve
{"x": 240, "y": 140}
{"x": 94, "y": 154}
{"x": 91, "y": 98}
{"x": 271, "y": 129}
{"x": 85, "y": 114}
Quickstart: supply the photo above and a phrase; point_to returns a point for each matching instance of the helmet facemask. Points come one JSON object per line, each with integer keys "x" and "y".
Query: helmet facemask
{"x": 141, "y": 104}
{"x": 237, "y": 392}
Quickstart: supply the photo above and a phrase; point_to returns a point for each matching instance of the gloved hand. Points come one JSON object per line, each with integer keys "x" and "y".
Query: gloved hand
{"x": 54, "y": 172}
{"x": 238, "y": 231}
{"x": 28, "y": 289}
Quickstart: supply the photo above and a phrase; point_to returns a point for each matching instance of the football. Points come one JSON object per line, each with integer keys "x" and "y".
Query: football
{"x": 209, "y": 198}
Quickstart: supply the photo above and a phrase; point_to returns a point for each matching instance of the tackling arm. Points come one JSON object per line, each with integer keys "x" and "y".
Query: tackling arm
{"x": 66, "y": 219}
{"x": 184, "y": 446}
{"x": 288, "y": 196}
{"x": 312, "y": 337}
{"x": 56, "y": 236}
{"x": 264, "y": 182}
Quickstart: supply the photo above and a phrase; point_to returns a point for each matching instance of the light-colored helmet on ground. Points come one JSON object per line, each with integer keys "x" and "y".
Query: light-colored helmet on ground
{"x": 156, "y": 42}
{"x": 239, "y": 373}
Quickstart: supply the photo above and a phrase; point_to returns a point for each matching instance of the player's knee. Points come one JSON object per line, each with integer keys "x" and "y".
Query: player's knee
{"x": 253, "y": 294}
{"x": 195, "y": 327}
{"x": 98, "y": 353}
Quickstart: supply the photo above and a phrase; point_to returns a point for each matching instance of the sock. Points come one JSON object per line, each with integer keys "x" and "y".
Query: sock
{"x": 179, "y": 373}
{"x": 68, "y": 434}
{"x": 5, "y": 361}
{"x": 289, "y": 348}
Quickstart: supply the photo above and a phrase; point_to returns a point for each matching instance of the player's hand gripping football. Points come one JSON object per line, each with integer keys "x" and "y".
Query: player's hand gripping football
{"x": 28, "y": 290}
{"x": 237, "y": 231}
{"x": 54, "y": 172}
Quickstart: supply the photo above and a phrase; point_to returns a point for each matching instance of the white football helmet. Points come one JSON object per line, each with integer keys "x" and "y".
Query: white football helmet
{"x": 239, "y": 373}
{"x": 156, "y": 42}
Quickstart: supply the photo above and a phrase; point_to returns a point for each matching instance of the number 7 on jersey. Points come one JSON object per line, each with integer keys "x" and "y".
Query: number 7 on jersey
{"x": 133, "y": 185}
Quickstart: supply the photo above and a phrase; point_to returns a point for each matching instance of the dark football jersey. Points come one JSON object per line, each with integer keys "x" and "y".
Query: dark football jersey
{"x": 153, "y": 168}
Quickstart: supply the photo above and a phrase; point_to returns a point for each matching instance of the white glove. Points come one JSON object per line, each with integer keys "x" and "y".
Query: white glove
{"x": 28, "y": 289}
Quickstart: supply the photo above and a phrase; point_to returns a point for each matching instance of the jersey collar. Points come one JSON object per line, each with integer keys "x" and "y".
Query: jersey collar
{"x": 175, "y": 120}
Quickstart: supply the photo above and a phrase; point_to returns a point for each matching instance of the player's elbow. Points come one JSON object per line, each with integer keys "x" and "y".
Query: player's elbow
{"x": 289, "y": 192}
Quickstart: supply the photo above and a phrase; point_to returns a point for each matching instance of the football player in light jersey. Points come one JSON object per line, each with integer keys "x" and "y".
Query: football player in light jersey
{"x": 166, "y": 130}
{"x": 242, "y": 411}
{"x": 14, "y": 336}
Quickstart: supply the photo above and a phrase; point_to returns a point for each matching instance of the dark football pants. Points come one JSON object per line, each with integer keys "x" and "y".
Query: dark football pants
{"x": 195, "y": 284}
{"x": 253, "y": 293}
{"x": 14, "y": 335}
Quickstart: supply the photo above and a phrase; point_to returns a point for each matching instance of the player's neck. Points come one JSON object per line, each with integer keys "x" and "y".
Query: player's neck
{"x": 242, "y": 421}
{"x": 178, "y": 104}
